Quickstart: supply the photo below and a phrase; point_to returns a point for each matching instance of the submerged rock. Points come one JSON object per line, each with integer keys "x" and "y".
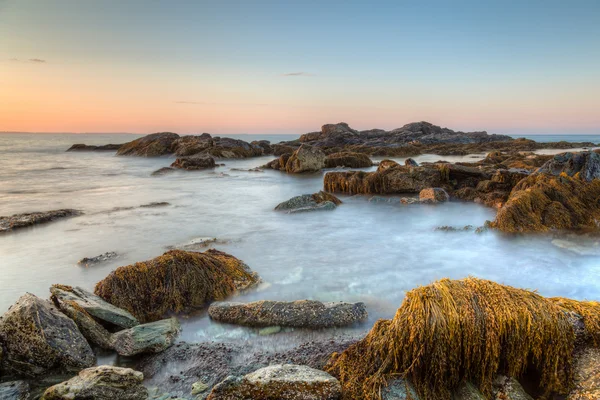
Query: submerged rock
{"x": 38, "y": 339}
{"x": 154, "y": 145}
{"x": 86, "y": 147}
{"x": 305, "y": 159}
{"x": 584, "y": 165}
{"x": 101, "y": 383}
{"x": 292, "y": 382}
{"x": 89, "y": 261}
{"x": 433, "y": 195}
{"x": 300, "y": 314}
{"x": 152, "y": 337}
{"x": 163, "y": 171}
{"x": 309, "y": 202}
{"x": 197, "y": 161}
{"x": 177, "y": 281}
{"x": 17, "y": 221}
{"x": 348, "y": 160}
{"x": 14, "y": 390}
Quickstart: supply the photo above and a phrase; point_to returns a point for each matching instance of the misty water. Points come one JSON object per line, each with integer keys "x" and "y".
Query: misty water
{"x": 363, "y": 251}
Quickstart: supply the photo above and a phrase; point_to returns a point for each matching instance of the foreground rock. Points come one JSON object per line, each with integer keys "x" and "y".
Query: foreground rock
{"x": 348, "y": 160}
{"x": 300, "y": 314}
{"x": 177, "y": 281}
{"x": 309, "y": 202}
{"x": 37, "y": 339}
{"x": 433, "y": 195}
{"x": 293, "y": 382}
{"x": 584, "y": 165}
{"x": 305, "y": 159}
{"x": 195, "y": 162}
{"x": 153, "y": 337}
{"x": 17, "y": 221}
{"x": 542, "y": 203}
{"x": 101, "y": 383}
{"x": 85, "y": 147}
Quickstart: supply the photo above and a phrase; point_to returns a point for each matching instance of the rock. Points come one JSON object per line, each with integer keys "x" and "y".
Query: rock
{"x": 505, "y": 388}
{"x": 447, "y": 228}
{"x": 38, "y": 339}
{"x": 542, "y": 203}
{"x": 101, "y": 383}
{"x": 467, "y": 391}
{"x": 197, "y": 161}
{"x": 584, "y": 165}
{"x": 409, "y": 162}
{"x": 93, "y": 305}
{"x": 309, "y": 202}
{"x": 386, "y": 164}
{"x": 348, "y": 160}
{"x": 433, "y": 195}
{"x": 89, "y": 261}
{"x": 199, "y": 387}
{"x": 300, "y": 314}
{"x": 177, "y": 281}
{"x": 199, "y": 243}
{"x": 586, "y": 375}
{"x": 265, "y": 145}
{"x": 16, "y": 221}
{"x": 305, "y": 159}
{"x": 154, "y": 145}
{"x": 155, "y": 204}
{"x": 14, "y": 390}
{"x": 269, "y": 330}
{"x": 399, "y": 389}
{"x": 163, "y": 171}
{"x": 291, "y": 382}
{"x": 153, "y": 337}
{"x": 85, "y": 147}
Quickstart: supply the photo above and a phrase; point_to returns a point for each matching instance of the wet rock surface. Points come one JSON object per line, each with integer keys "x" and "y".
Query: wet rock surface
{"x": 507, "y": 388}
{"x": 152, "y": 337}
{"x": 164, "y": 171}
{"x": 85, "y": 147}
{"x": 14, "y": 390}
{"x": 586, "y": 375}
{"x": 38, "y": 339}
{"x": 301, "y": 313}
{"x": 195, "y": 162}
{"x": 16, "y": 221}
{"x": 90, "y": 261}
{"x": 309, "y": 202}
{"x": 433, "y": 195}
{"x": 101, "y": 383}
{"x": 293, "y": 382}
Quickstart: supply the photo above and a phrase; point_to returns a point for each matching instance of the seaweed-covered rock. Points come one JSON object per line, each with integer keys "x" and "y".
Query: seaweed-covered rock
{"x": 174, "y": 282}
{"x": 300, "y": 314}
{"x": 38, "y": 339}
{"x": 309, "y": 202}
{"x": 86, "y": 147}
{"x": 386, "y": 164}
{"x": 305, "y": 159}
{"x": 348, "y": 159}
{"x": 433, "y": 195}
{"x": 291, "y": 382}
{"x": 154, "y": 145}
{"x": 14, "y": 390}
{"x": 100, "y": 383}
{"x": 542, "y": 202}
{"x": 409, "y": 162}
{"x": 16, "y": 221}
{"x": 197, "y": 161}
{"x": 152, "y": 337}
{"x": 584, "y": 165}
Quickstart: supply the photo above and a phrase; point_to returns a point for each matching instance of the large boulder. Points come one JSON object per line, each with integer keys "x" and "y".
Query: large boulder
{"x": 154, "y": 145}
{"x": 348, "y": 160}
{"x": 543, "y": 202}
{"x": 305, "y": 159}
{"x": 177, "y": 281}
{"x": 152, "y": 337}
{"x": 275, "y": 382}
{"x": 584, "y": 165}
{"x": 197, "y": 161}
{"x": 100, "y": 383}
{"x": 309, "y": 202}
{"x": 38, "y": 339}
{"x": 300, "y": 314}
{"x": 16, "y": 221}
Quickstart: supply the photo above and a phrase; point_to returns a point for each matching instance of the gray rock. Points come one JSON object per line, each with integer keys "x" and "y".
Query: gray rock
{"x": 301, "y": 314}
{"x": 87, "y": 147}
{"x": 305, "y": 159}
{"x": 89, "y": 261}
{"x": 586, "y": 375}
{"x": 16, "y": 221}
{"x": 153, "y": 337}
{"x": 325, "y": 206}
{"x": 399, "y": 389}
{"x": 433, "y": 195}
{"x": 290, "y": 382}
{"x": 507, "y": 388}
{"x": 467, "y": 391}
{"x": 163, "y": 171}
{"x": 101, "y": 383}
{"x": 15, "y": 390}
{"x": 321, "y": 201}
{"x": 37, "y": 339}
{"x": 94, "y": 305}
{"x": 585, "y": 164}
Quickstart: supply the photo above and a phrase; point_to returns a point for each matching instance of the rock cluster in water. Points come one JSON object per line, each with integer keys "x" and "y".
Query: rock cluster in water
{"x": 17, "y": 221}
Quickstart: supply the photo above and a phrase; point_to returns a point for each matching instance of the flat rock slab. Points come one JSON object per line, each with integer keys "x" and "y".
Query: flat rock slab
{"x": 299, "y": 314}
{"x": 16, "y": 221}
{"x": 292, "y": 382}
{"x": 101, "y": 383}
{"x": 153, "y": 337}
{"x": 94, "y": 305}
{"x": 37, "y": 339}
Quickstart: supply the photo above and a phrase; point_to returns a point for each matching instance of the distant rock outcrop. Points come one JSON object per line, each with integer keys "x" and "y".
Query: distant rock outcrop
{"x": 86, "y": 147}
{"x": 16, "y": 221}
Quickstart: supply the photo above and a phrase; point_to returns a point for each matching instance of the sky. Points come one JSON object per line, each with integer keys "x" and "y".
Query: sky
{"x": 271, "y": 67}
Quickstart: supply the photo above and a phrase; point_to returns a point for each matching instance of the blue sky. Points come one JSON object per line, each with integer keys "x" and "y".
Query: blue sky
{"x": 289, "y": 67}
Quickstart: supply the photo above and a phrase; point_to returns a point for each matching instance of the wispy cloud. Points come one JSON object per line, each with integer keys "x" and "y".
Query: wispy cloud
{"x": 31, "y": 60}
{"x": 37, "y": 60}
{"x": 208, "y": 103}
{"x": 301, "y": 73}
